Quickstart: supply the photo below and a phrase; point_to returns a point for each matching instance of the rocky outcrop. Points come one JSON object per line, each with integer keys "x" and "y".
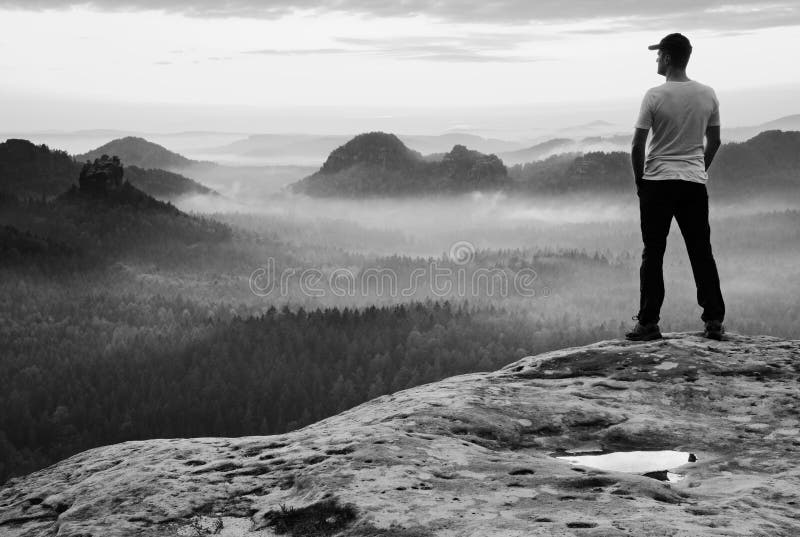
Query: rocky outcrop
{"x": 473, "y": 455}
{"x": 101, "y": 176}
{"x": 102, "y": 186}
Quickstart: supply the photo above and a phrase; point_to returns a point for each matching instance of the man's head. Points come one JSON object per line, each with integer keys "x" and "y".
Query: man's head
{"x": 674, "y": 50}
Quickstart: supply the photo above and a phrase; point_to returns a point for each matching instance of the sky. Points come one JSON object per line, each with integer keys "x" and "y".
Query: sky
{"x": 292, "y": 65}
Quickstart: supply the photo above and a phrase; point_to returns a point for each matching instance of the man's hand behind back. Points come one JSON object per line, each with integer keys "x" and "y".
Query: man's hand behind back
{"x": 712, "y": 144}
{"x": 637, "y": 155}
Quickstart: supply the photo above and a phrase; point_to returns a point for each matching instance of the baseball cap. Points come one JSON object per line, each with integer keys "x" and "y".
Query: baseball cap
{"x": 673, "y": 42}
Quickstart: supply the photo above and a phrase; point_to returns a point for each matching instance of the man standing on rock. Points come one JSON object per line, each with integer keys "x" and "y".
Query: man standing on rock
{"x": 672, "y": 182}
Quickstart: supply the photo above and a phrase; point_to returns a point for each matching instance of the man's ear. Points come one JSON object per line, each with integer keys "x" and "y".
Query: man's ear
{"x": 667, "y": 58}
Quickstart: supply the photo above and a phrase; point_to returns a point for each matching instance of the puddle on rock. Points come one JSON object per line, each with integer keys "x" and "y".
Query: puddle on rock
{"x": 653, "y": 464}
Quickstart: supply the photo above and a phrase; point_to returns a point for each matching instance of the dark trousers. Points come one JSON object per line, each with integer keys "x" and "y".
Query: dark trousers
{"x": 659, "y": 201}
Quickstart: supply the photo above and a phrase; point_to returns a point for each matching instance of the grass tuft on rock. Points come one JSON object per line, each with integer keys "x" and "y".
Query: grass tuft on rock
{"x": 316, "y": 520}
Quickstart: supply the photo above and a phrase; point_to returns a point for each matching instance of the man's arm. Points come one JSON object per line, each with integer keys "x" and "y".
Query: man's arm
{"x": 712, "y": 144}
{"x": 637, "y": 154}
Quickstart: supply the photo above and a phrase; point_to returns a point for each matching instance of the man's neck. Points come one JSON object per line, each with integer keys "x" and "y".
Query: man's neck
{"x": 677, "y": 75}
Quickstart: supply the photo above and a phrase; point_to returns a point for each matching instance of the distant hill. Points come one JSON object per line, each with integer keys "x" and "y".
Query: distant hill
{"x": 783, "y": 123}
{"x": 378, "y": 164}
{"x": 591, "y": 128}
{"x": 442, "y": 143}
{"x": 575, "y": 139}
{"x": 539, "y": 151}
{"x": 165, "y": 185}
{"x": 284, "y": 148}
{"x": 104, "y": 220}
{"x": 29, "y": 170}
{"x": 555, "y": 146}
{"x": 135, "y": 151}
{"x": 596, "y": 124}
{"x": 614, "y": 140}
{"x": 768, "y": 163}
{"x": 575, "y": 172}
{"x": 741, "y": 134}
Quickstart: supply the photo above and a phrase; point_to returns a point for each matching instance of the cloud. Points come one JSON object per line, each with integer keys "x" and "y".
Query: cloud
{"x": 471, "y": 57}
{"x": 472, "y": 47}
{"x": 683, "y": 14}
{"x": 298, "y": 51}
{"x": 475, "y": 41}
{"x": 716, "y": 17}
{"x": 477, "y": 48}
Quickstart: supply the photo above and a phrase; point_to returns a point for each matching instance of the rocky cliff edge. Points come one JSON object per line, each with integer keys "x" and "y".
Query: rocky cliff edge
{"x": 473, "y": 455}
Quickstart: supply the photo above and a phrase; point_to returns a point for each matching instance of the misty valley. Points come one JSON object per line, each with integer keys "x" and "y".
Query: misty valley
{"x": 252, "y": 285}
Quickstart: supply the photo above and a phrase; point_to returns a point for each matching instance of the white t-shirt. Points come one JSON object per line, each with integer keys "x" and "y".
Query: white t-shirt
{"x": 678, "y": 113}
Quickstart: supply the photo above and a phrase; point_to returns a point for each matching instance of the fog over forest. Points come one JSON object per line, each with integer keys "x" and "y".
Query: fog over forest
{"x": 164, "y": 280}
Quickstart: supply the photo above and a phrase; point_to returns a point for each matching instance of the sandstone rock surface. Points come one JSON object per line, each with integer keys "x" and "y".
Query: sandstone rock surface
{"x": 472, "y": 455}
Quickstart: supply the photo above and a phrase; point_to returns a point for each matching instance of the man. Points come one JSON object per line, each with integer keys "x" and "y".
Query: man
{"x": 672, "y": 182}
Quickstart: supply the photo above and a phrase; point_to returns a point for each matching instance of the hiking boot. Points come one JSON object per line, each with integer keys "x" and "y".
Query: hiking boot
{"x": 714, "y": 330}
{"x": 643, "y": 332}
